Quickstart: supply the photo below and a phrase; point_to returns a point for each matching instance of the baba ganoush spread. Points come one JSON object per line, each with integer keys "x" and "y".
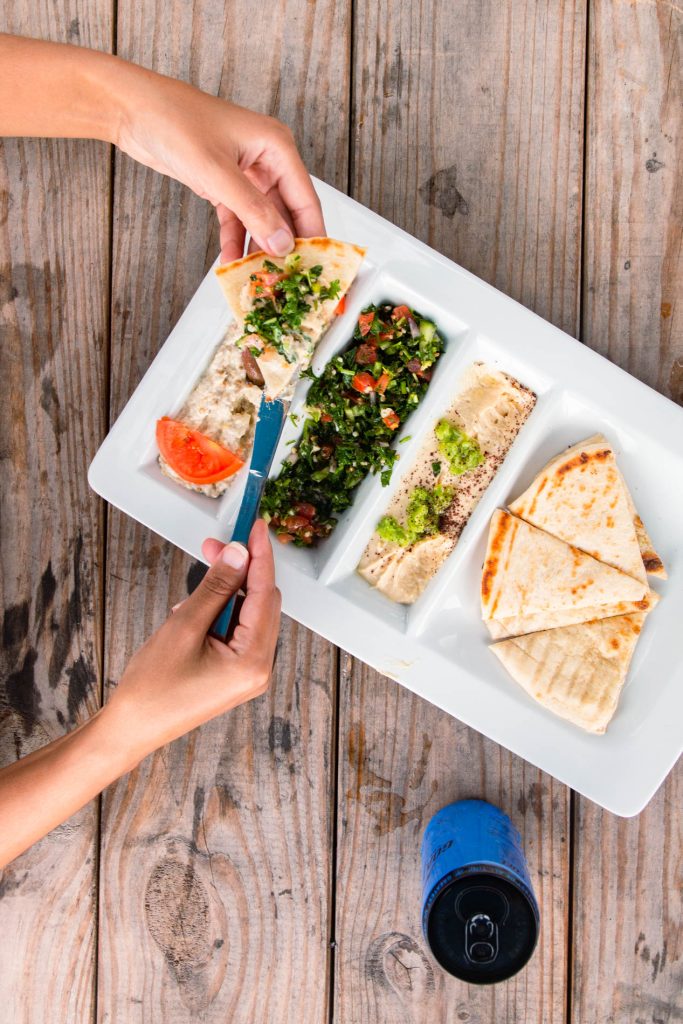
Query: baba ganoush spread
{"x": 281, "y": 312}
{"x": 438, "y": 494}
{"x": 223, "y": 405}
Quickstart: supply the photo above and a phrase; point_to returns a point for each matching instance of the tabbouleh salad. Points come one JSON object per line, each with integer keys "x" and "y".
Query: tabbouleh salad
{"x": 353, "y": 411}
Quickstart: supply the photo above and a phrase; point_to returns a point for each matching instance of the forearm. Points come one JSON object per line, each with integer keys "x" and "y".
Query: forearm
{"x": 42, "y": 790}
{"x": 55, "y": 90}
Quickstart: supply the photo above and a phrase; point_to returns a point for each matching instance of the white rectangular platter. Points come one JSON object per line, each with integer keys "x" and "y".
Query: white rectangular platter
{"x": 439, "y": 647}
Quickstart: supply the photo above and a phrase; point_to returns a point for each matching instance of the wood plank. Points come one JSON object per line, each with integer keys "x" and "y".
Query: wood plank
{"x": 54, "y": 271}
{"x": 216, "y": 852}
{"x": 468, "y": 132}
{"x": 628, "y": 886}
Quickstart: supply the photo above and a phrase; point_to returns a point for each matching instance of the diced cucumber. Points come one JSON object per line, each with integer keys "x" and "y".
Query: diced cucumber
{"x": 427, "y": 330}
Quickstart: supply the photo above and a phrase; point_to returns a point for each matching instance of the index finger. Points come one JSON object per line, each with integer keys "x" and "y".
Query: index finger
{"x": 296, "y": 188}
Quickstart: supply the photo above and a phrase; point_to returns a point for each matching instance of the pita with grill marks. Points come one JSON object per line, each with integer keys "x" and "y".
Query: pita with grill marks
{"x": 577, "y": 672}
{"x": 528, "y": 571}
{"x": 581, "y": 498}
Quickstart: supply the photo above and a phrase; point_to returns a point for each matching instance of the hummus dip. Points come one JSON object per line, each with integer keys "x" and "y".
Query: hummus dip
{"x": 223, "y": 405}
{"x": 490, "y": 408}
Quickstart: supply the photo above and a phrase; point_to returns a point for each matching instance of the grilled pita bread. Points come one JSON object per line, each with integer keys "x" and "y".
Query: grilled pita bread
{"x": 528, "y": 571}
{"x": 580, "y": 497}
{"x": 340, "y": 262}
{"x": 578, "y": 671}
{"x": 651, "y": 560}
{"x": 514, "y": 625}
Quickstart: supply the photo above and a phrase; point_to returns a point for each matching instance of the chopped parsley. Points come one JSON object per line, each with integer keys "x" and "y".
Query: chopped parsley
{"x": 436, "y": 468}
{"x": 354, "y": 410}
{"x": 422, "y": 516}
{"x": 283, "y": 296}
{"x": 462, "y": 452}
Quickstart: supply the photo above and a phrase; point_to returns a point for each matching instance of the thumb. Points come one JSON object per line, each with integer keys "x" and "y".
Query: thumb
{"x": 224, "y": 578}
{"x": 258, "y": 213}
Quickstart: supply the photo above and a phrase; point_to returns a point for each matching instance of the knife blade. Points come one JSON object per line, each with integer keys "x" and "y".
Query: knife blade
{"x": 269, "y": 426}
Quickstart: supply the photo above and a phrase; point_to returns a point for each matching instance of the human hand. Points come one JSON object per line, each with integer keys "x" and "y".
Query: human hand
{"x": 246, "y": 164}
{"x": 181, "y": 677}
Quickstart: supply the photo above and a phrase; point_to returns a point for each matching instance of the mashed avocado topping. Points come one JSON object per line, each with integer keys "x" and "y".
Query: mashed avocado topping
{"x": 422, "y": 516}
{"x": 462, "y": 452}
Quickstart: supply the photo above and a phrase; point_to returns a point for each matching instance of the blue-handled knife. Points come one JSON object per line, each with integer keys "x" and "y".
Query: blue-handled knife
{"x": 271, "y": 420}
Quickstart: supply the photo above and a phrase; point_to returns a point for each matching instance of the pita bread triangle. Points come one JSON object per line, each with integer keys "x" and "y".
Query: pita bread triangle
{"x": 580, "y": 497}
{"x": 651, "y": 560}
{"x": 514, "y": 625}
{"x": 340, "y": 262}
{"x": 528, "y": 571}
{"x": 578, "y": 671}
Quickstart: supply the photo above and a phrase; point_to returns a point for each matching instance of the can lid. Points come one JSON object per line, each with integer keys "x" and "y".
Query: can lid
{"x": 482, "y": 928}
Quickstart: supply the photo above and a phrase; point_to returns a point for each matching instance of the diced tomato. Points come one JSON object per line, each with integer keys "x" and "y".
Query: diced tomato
{"x": 296, "y": 523}
{"x": 390, "y": 418}
{"x": 382, "y": 382}
{"x": 363, "y": 382}
{"x": 425, "y": 374}
{"x": 305, "y": 509}
{"x": 366, "y": 354}
{"x": 400, "y": 312}
{"x": 284, "y": 538}
{"x": 341, "y": 308}
{"x": 196, "y": 458}
{"x": 300, "y": 527}
{"x": 262, "y": 282}
{"x": 325, "y": 417}
{"x": 385, "y": 335}
{"x": 365, "y": 322}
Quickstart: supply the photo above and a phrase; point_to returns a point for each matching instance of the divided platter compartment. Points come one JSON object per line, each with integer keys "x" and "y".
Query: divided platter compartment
{"x": 438, "y": 647}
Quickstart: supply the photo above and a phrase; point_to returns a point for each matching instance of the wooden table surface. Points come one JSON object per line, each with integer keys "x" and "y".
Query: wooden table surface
{"x": 266, "y": 867}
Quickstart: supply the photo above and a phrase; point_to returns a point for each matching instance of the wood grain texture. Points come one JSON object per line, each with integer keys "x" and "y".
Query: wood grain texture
{"x": 633, "y": 277}
{"x": 628, "y": 949}
{"x": 468, "y": 132}
{"x": 54, "y": 265}
{"x": 216, "y": 852}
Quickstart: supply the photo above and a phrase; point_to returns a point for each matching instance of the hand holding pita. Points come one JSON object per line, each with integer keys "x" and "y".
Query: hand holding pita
{"x": 246, "y": 164}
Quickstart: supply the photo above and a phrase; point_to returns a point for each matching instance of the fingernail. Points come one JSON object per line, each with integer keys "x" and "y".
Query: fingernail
{"x": 234, "y": 555}
{"x": 281, "y": 242}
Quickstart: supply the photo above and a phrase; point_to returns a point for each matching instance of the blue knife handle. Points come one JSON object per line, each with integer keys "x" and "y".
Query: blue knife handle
{"x": 245, "y": 521}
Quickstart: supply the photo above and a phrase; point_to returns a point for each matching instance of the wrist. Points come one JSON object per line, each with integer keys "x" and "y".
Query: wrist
{"x": 114, "y": 736}
{"x": 110, "y": 84}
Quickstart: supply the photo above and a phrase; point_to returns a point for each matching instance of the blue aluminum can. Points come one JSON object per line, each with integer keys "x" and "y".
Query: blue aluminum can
{"x": 479, "y": 913}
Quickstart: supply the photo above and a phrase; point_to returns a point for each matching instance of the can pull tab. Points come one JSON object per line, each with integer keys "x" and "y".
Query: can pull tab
{"x": 481, "y": 939}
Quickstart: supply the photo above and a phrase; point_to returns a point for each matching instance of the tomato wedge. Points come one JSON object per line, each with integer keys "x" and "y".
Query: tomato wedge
{"x": 341, "y": 308}
{"x": 194, "y": 456}
{"x": 365, "y": 322}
